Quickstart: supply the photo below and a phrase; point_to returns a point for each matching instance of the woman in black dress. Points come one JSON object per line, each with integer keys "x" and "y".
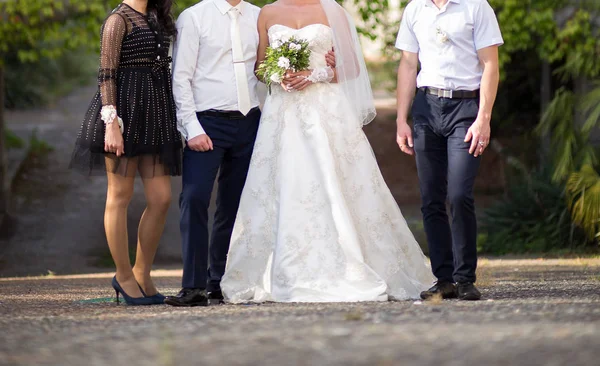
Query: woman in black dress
{"x": 131, "y": 127}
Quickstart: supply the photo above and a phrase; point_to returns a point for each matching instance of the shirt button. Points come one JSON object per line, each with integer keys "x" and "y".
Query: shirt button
{"x": 159, "y": 45}
{"x": 158, "y": 57}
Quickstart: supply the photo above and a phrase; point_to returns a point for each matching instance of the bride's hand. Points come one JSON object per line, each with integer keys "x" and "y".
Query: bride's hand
{"x": 297, "y": 81}
{"x": 286, "y": 80}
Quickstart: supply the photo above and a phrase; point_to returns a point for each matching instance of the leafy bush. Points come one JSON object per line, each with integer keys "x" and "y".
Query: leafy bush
{"x": 533, "y": 218}
{"x": 41, "y": 82}
{"x": 13, "y": 141}
{"x": 583, "y": 194}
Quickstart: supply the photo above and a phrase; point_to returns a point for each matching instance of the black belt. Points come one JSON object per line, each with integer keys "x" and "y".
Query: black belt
{"x": 451, "y": 94}
{"x": 226, "y": 114}
{"x": 148, "y": 66}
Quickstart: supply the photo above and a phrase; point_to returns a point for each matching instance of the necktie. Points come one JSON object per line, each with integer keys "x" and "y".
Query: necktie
{"x": 239, "y": 64}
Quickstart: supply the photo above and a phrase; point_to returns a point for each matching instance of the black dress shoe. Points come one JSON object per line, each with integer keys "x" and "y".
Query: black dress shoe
{"x": 468, "y": 291}
{"x": 188, "y": 297}
{"x": 446, "y": 289}
{"x": 216, "y": 297}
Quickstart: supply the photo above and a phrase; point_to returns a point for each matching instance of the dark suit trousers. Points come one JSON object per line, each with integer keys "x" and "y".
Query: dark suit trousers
{"x": 233, "y": 141}
{"x": 447, "y": 172}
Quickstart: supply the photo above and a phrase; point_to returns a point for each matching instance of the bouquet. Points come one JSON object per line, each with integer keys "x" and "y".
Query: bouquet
{"x": 282, "y": 56}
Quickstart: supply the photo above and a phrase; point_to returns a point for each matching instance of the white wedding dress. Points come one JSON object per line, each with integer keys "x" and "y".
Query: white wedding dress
{"x": 316, "y": 222}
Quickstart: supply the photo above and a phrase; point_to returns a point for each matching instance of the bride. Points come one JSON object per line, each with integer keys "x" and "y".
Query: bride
{"x": 317, "y": 222}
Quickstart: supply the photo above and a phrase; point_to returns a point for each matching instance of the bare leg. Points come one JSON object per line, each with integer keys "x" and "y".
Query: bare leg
{"x": 119, "y": 193}
{"x": 152, "y": 224}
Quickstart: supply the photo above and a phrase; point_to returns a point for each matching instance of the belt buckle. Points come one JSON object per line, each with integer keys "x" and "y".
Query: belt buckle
{"x": 443, "y": 93}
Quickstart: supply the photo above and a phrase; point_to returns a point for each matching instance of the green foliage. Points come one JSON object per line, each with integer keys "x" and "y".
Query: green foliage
{"x": 565, "y": 36}
{"x": 373, "y": 15}
{"x": 559, "y": 119}
{"x": 574, "y": 157}
{"x": 46, "y": 28}
{"x": 526, "y": 24}
{"x": 13, "y": 141}
{"x": 532, "y": 218}
{"x": 295, "y": 54}
{"x": 571, "y": 146}
{"x": 35, "y": 28}
{"x": 41, "y": 82}
{"x": 590, "y": 105}
{"x": 578, "y": 46}
{"x": 534, "y": 25}
{"x": 583, "y": 194}
{"x": 35, "y": 32}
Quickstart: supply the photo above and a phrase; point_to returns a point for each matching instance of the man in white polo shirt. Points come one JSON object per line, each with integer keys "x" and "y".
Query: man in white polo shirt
{"x": 456, "y": 42}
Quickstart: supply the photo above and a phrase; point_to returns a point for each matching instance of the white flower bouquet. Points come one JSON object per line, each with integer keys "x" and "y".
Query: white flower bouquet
{"x": 282, "y": 56}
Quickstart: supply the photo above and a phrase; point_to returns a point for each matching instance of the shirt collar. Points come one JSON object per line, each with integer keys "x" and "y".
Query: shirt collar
{"x": 430, "y": 2}
{"x": 224, "y": 6}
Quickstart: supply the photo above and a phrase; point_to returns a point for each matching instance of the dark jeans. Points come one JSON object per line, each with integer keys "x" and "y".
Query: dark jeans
{"x": 233, "y": 141}
{"x": 447, "y": 172}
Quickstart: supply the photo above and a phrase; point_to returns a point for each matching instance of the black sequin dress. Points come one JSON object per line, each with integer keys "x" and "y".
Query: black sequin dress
{"x": 135, "y": 77}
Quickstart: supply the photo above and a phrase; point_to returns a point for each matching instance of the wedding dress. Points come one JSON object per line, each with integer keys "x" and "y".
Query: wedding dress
{"x": 317, "y": 222}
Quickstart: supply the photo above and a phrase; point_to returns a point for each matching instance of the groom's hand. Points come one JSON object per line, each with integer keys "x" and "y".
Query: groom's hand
{"x": 404, "y": 138}
{"x": 200, "y": 143}
{"x": 330, "y": 58}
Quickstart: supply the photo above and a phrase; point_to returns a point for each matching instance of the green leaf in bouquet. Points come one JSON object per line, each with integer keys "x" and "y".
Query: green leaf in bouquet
{"x": 294, "y": 53}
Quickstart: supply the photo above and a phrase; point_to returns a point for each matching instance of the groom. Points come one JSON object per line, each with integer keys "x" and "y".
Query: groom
{"x": 456, "y": 42}
{"x": 215, "y": 90}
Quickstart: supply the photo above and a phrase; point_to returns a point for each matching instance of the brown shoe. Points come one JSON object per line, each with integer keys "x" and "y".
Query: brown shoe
{"x": 444, "y": 288}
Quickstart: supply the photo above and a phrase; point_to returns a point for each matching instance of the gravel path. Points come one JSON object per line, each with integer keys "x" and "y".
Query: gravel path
{"x": 535, "y": 312}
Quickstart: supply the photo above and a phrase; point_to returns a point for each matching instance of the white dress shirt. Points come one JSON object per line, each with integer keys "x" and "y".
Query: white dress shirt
{"x": 447, "y": 41}
{"x": 203, "y": 71}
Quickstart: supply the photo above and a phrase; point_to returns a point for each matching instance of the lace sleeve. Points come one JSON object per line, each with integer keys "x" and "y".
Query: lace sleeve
{"x": 321, "y": 75}
{"x": 113, "y": 31}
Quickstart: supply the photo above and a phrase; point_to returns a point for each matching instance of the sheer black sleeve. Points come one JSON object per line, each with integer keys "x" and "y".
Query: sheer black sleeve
{"x": 113, "y": 31}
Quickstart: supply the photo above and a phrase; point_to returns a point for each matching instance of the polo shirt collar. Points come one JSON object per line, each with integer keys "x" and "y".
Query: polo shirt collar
{"x": 430, "y": 2}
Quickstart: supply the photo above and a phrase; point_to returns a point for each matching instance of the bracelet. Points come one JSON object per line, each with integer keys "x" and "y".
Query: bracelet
{"x": 108, "y": 114}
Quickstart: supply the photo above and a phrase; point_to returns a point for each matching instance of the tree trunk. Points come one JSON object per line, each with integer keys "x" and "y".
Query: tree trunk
{"x": 4, "y": 195}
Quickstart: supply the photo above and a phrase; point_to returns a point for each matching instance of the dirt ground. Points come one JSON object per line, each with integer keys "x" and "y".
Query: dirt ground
{"x": 534, "y": 312}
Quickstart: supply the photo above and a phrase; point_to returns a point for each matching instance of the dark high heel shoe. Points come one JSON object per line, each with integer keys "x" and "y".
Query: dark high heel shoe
{"x": 157, "y": 299}
{"x": 128, "y": 299}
